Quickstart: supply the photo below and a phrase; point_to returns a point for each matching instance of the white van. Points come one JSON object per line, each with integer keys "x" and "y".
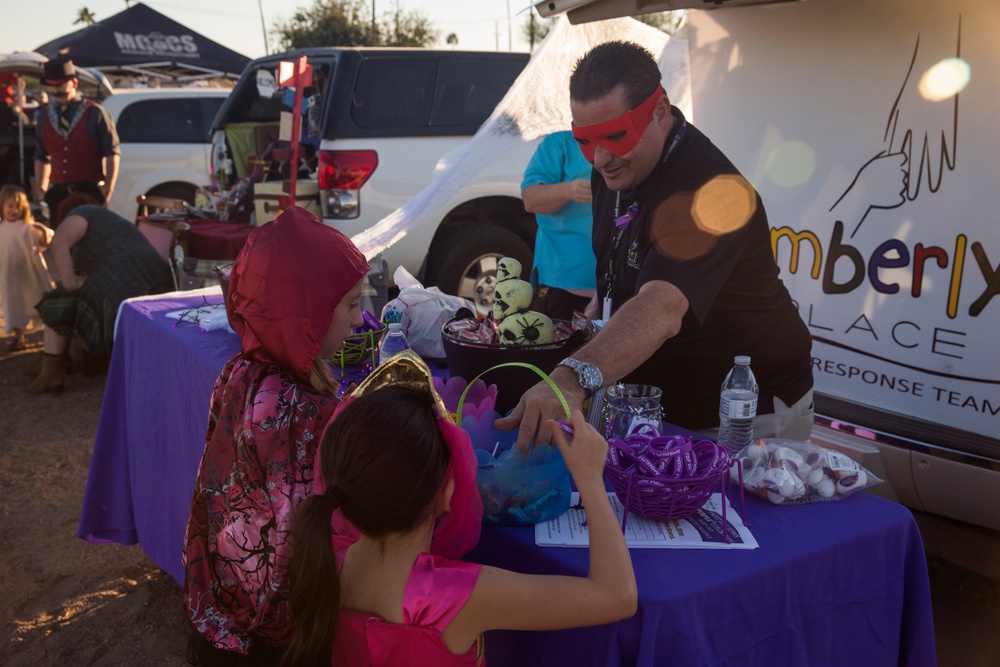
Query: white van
{"x": 164, "y": 134}
{"x": 164, "y": 141}
{"x": 869, "y": 129}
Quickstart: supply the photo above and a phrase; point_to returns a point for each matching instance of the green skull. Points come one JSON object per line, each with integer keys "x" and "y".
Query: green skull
{"x": 528, "y": 327}
{"x": 511, "y": 296}
{"x": 508, "y": 268}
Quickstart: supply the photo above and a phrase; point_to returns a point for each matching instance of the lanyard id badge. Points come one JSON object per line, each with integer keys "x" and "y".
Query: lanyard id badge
{"x": 607, "y": 302}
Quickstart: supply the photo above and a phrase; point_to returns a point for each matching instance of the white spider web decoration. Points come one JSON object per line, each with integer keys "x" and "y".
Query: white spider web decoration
{"x": 536, "y": 104}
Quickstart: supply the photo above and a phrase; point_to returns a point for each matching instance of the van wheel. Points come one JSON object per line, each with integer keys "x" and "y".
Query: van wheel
{"x": 465, "y": 262}
{"x": 174, "y": 191}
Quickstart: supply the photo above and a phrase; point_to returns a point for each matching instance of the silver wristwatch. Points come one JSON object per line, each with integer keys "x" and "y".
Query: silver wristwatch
{"x": 587, "y": 374}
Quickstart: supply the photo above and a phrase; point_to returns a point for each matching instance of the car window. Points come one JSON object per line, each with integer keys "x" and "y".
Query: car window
{"x": 257, "y": 97}
{"x": 468, "y": 90}
{"x": 209, "y": 108}
{"x": 160, "y": 121}
{"x": 394, "y": 92}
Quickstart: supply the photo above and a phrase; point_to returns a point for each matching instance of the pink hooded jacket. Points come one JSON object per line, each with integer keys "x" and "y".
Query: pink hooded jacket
{"x": 264, "y": 427}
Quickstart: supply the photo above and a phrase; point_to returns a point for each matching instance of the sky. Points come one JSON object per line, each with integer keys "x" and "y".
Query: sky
{"x": 479, "y": 24}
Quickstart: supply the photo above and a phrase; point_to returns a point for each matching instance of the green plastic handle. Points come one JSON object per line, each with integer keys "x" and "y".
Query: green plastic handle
{"x": 539, "y": 371}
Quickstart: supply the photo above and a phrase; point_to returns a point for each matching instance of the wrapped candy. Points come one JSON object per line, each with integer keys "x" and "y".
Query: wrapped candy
{"x": 792, "y": 472}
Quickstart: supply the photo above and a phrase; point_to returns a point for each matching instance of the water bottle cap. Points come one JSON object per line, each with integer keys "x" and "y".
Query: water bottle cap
{"x": 743, "y": 360}
{"x": 397, "y": 326}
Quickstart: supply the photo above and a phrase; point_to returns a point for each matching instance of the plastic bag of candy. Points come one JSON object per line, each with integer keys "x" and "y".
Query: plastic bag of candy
{"x": 795, "y": 472}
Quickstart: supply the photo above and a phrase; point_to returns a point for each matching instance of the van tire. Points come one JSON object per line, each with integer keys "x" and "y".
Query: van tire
{"x": 183, "y": 191}
{"x": 464, "y": 261}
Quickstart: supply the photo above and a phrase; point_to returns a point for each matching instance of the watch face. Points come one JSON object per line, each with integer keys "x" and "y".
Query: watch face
{"x": 590, "y": 377}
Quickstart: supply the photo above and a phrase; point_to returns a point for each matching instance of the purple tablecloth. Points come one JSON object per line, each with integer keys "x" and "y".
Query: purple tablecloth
{"x": 834, "y": 584}
{"x": 151, "y": 431}
{"x": 841, "y": 583}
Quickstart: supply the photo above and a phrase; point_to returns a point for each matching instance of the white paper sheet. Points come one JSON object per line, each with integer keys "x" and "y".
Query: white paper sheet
{"x": 702, "y": 530}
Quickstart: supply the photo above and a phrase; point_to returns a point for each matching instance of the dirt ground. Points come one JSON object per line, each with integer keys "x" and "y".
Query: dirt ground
{"x": 65, "y": 601}
{"x": 68, "y": 602}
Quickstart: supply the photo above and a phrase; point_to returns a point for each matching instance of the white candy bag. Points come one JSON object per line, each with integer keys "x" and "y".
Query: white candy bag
{"x": 795, "y": 472}
{"x": 423, "y": 311}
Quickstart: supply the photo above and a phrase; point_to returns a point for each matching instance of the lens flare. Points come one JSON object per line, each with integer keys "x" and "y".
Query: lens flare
{"x": 724, "y": 204}
{"x": 688, "y": 224}
{"x": 791, "y": 164}
{"x": 945, "y": 79}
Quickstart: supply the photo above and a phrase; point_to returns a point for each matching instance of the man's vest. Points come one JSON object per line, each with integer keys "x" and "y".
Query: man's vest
{"x": 75, "y": 156}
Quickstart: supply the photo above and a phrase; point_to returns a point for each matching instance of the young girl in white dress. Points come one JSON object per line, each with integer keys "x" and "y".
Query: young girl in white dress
{"x": 24, "y": 278}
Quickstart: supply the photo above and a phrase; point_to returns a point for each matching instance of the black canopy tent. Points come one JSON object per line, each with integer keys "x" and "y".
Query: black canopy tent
{"x": 140, "y": 41}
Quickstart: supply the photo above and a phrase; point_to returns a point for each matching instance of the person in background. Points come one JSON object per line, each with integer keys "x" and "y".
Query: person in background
{"x": 556, "y": 188}
{"x": 101, "y": 259}
{"x": 294, "y": 296}
{"x": 24, "y": 277}
{"x": 386, "y": 599}
{"x": 76, "y": 143}
{"x": 686, "y": 276}
{"x": 11, "y": 113}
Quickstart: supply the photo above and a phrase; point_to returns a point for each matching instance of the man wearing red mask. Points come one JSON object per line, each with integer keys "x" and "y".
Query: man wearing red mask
{"x": 686, "y": 279}
{"x": 76, "y": 147}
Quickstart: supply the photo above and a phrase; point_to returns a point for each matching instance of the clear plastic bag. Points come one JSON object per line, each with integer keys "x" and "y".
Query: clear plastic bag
{"x": 795, "y": 472}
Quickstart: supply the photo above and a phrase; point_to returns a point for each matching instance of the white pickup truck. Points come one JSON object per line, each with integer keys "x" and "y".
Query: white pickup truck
{"x": 377, "y": 122}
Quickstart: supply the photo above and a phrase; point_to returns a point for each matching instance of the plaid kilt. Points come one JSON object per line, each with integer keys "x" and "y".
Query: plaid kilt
{"x": 83, "y": 315}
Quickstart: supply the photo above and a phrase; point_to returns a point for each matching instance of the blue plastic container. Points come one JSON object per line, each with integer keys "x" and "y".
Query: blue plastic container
{"x": 517, "y": 490}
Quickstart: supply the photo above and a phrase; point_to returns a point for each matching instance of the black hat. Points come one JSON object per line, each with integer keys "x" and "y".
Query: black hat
{"x": 58, "y": 71}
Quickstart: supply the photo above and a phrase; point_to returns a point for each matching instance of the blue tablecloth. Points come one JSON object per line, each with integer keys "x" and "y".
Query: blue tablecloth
{"x": 841, "y": 583}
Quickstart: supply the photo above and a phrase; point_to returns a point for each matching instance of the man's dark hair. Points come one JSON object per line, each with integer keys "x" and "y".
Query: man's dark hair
{"x": 613, "y": 64}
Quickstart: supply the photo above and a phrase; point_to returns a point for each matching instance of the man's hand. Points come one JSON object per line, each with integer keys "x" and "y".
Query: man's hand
{"x": 539, "y": 404}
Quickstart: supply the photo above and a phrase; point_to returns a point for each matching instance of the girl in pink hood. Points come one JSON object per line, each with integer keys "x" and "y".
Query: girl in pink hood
{"x": 293, "y": 298}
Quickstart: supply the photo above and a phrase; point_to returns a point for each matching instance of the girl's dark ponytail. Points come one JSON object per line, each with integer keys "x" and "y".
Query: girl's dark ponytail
{"x": 384, "y": 460}
{"x": 315, "y": 584}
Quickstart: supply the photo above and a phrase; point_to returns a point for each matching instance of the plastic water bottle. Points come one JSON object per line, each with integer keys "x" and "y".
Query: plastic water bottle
{"x": 393, "y": 342}
{"x": 738, "y": 407}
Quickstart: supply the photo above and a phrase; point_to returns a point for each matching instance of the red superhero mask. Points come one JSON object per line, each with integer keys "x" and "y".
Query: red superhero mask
{"x": 618, "y": 135}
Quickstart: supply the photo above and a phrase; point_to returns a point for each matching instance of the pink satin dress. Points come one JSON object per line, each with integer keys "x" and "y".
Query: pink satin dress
{"x": 435, "y": 592}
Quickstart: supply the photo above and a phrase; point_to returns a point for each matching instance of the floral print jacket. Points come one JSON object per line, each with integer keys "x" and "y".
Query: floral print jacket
{"x": 264, "y": 429}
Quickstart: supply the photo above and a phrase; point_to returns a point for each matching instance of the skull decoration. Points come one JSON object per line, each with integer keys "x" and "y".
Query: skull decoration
{"x": 511, "y": 296}
{"x": 528, "y": 327}
{"x": 508, "y": 268}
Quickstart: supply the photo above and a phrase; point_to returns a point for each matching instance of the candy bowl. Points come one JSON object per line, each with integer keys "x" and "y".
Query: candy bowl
{"x": 664, "y": 477}
{"x": 470, "y": 359}
{"x": 517, "y": 489}
{"x": 360, "y": 346}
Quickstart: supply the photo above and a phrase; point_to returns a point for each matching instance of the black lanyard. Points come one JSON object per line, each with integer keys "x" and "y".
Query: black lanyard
{"x": 610, "y": 275}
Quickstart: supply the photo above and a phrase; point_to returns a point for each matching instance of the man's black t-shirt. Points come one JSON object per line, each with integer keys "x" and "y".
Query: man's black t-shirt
{"x": 702, "y": 227}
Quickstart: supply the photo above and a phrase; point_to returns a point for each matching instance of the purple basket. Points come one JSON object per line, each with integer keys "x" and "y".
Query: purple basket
{"x": 664, "y": 477}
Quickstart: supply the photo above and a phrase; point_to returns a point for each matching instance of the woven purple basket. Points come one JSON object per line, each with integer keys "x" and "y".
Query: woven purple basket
{"x": 664, "y": 477}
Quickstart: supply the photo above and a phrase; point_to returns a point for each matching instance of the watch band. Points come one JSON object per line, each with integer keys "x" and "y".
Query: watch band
{"x": 587, "y": 374}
